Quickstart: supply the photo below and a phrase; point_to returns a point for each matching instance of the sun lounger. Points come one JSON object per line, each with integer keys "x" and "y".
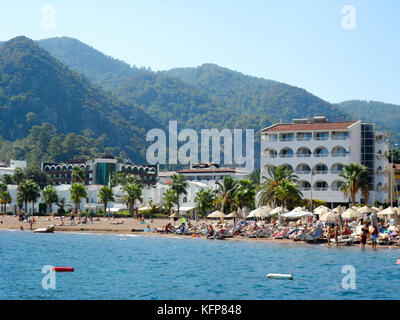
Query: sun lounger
{"x": 317, "y": 235}
{"x": 282, "y": 234}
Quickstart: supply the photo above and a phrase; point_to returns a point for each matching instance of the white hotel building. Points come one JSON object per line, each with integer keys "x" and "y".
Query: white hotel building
{"x": 316, "y": 151}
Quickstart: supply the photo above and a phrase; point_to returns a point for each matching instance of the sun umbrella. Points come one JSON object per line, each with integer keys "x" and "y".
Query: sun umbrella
{"x": 278, "y": 210}
{"x": 216, "y": 214}
{"x": 387, "y": 212}
{"x": 297, "y": 214}
{"x": 260, "y": 212}
{"x": 234, "y": 214}
{"x": 176, "y": 215}
{"x": 351, "y": 214}
{"x": 330, "y": 217}
{"x": 365, "y": 210}
{"x": 321, "y": 210}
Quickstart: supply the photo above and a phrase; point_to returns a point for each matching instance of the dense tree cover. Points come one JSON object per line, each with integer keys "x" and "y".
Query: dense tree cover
{"x": 248, "y": 94}
{"x": 386, "y": 116}
{"x": 36, "y": 88}
{"x": 96, "y": 66}
{"x": 43, "y": 143}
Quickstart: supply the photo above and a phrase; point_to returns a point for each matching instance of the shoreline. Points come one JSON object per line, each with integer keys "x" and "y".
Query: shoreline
{"x": 122, "y": 232}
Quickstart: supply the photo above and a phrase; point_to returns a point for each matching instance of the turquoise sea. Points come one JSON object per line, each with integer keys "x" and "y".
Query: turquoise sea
{"x": 146, "y": 267}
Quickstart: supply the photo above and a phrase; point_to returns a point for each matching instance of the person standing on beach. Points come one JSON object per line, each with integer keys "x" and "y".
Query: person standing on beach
{"x": 328, "y": 232}
{"x": 183, "y": 222}
{"x": 336, "y": 230}
{"x": 72, "y": 214}
{"x": 374, "y": 236}
{"x": 363, "y": 238}
{"x": 79, "y": 215}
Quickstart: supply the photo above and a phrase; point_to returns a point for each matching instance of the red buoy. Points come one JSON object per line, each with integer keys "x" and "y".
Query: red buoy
{"x": 63, "y": 269}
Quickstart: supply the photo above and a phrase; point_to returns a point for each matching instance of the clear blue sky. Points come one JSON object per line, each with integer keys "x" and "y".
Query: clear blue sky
{"x": 299, "y": 42}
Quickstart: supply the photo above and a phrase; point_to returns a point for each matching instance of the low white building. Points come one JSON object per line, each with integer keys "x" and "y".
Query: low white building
{"x": 14, "y": 164}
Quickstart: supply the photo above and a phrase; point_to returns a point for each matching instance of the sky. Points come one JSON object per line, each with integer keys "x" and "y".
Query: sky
{"x": 337, "y": 50}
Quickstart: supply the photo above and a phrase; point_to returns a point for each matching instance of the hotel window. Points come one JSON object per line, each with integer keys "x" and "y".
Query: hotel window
{"x": 287, "y": 137}
{"x": 303, "y": 152}
{"x": 273, "y": 137}
{"x": 340, "y": 135}
{"x": 305, "y": 186}
{"x": 321, "y": 136}
{"x": 286, "y": 153}
{"x": 321, "y": 186}
{"x": 304, "y": 136}
{"x": 303, "y": 169}
{"x": 321, "y": 152}
{"x": 339, "y": 152}
{"x": 321, "y": 169}
{"x": 337, "y": 168}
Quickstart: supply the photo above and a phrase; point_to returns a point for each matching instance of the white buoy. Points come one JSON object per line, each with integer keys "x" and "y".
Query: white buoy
{"x": 279, "y": 276}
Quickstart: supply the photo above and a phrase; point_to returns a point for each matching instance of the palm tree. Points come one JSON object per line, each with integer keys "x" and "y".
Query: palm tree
{"x": 245, "y": 193}
{"x": 78, "y": 175}
{"x": 19, "y": 176}
{"x": 106, "y": 194}
{"x": 204, "y": 200}
{"x": 50, "y": 196}
{"x": 78, "y": 192}
{"x": 355, "y": 178}
{"x": 170, "y": 198}
{"x": 133, "y": 193}
{"x": 179, "y": 186}
{"x": 33, "y": 195}
{"x": 23, "y": 192}
{"x": 226, "y": 192}
{"x": 5, "y": 199}
{"x": 7, "y": 179}
{"x": 280, "y": 189}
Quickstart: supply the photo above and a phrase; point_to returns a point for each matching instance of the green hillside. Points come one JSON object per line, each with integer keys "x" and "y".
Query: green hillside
{"x": 257, "y": 95}
{"x": 36, "y": 88}
{"x": 96, "y": 66}
{"x": 386, "y": 116}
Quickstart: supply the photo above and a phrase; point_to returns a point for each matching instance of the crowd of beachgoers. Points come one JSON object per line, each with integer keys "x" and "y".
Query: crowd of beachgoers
{"x": 325, "y": 227}
{"x": 358, "y": 231}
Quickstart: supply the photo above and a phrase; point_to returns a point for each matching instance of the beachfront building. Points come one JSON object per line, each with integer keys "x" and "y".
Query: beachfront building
{"x": 99, "y": 171}
{"x": 316, "y": 150}
{"x": 394, "y": 183}
{"x": 211, "y": 172}
{"x": 14, "y": 164}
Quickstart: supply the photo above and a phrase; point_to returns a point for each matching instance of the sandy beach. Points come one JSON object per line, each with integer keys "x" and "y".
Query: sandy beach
{"x": 117, "y": 226}
{"x": 125, "y": 226}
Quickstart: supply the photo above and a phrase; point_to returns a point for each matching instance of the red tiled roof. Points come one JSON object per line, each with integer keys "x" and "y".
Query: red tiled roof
{"x": 309, "y": 126}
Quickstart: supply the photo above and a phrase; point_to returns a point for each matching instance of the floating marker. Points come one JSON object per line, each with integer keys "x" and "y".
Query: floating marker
{"x": 63, "y": 269}
{"x": 279, "y": 276}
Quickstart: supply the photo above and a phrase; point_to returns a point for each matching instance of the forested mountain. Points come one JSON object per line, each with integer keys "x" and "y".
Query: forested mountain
{"x": 96, "y": 66}
{"x": 40, "y": 94}
{"x": 36, "y": 88}
{"x": 386, "y": 116}
{"x": 257, "y": 95}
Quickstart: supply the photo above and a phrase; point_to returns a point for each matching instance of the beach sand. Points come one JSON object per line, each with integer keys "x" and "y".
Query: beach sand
{"x": 107, "y": 226}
